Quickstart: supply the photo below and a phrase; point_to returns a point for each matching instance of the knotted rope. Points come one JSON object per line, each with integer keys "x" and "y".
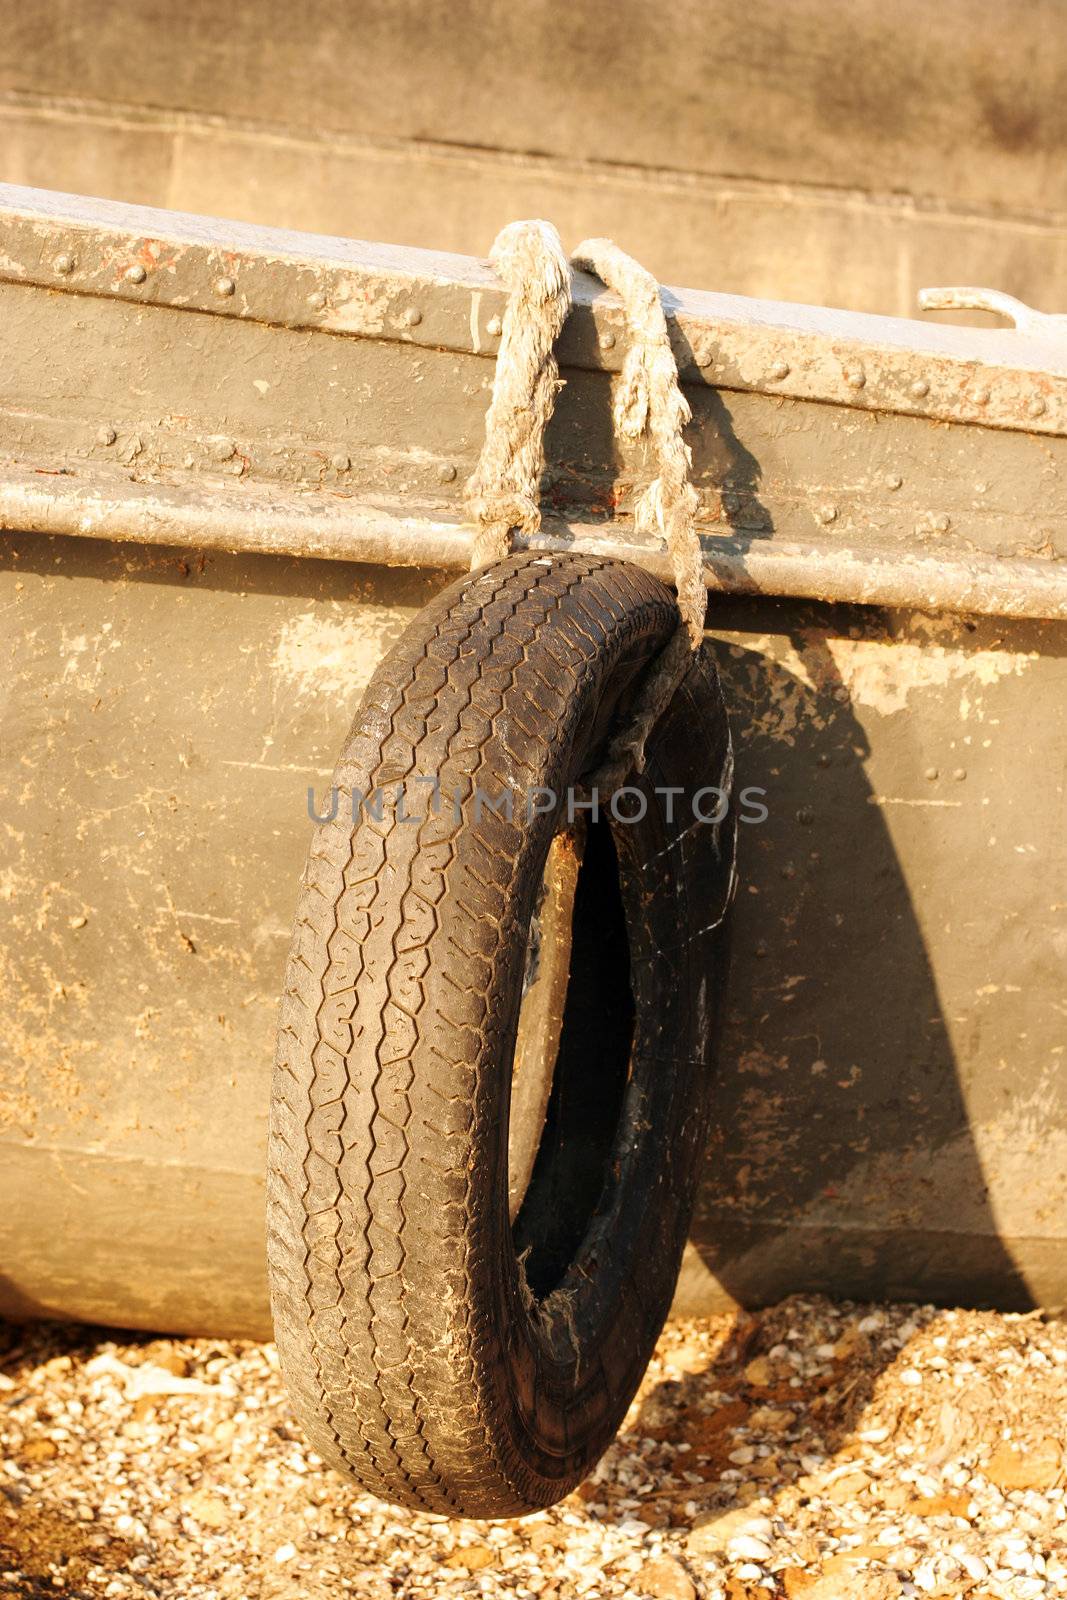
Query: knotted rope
{"x": 503, "y": 491}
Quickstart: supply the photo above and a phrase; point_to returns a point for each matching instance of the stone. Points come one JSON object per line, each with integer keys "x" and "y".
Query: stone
{"x": 546, "y": 1535}
{"x": 688, "y": 1358}
{"x": 39, "y": 1450}
{"x": 939, "y": 1505}
{"x": 209, "y": 1510}
{"x": 796, "y": 1581}
{"x": 844, "y": 1489}
{"x": 170, "y": 1361}
{"x": 852, "y": 1342}
{"x": 760, "y": 1372}
{"x": 771, "y": 1419}
{"x": 471, "y": 1557}
{"x": 746, "y": 1547}
{"x": 712, "y": 1531}
{"x": 1037, "y": 1467}
{"x": 665, "y": 1579}
{"x": 857, "y": 1586}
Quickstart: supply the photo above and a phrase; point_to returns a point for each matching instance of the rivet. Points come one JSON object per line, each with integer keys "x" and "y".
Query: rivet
{"x": 940, "y": 523}
{"x": 762, "y": 950}
{"x": 106, "y": 436}
{"x": 855, "y": 377}
{"x": 920, "y": 388}
{"x": 222, "y": 449}
{"x": 779, "y": 371}
{"x": 224, "y": 287}
{"x": 788, "y": 871}
{"x": 931, "y": 774}
{"x": 827, "y": 513}
{"x": 494, "y": 326}
{"x": 316, "y": 300}
{"x": 606, "y": 341}
{"x": 893, "y": 480}
{"x": 824, "y": 758}
{"x": 805, "y": 816}
{"x": 1036, "y": 407}
{"x": 136, "y": 273}
{"x": 412, "y": 316}
{"x": 64, "y": 264}
{"x": 959, "y": 774}
{"x": 340, "y": 463}
{"x": 981, "y": 397}
{"x": 446, "y": 473}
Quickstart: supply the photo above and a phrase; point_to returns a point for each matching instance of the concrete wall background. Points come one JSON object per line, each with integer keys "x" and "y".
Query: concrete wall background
{"x": 844, "y": 153}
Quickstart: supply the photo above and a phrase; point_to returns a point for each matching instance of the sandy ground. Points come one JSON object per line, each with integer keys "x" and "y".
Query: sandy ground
{"x": 814, "y": 1450}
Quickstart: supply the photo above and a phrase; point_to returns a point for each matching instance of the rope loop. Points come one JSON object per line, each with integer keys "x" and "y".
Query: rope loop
{"x": 502, "y": 493}
{"x": 649, "y": 403}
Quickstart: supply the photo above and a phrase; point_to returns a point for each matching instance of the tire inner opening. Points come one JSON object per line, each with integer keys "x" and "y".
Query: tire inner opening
{"x": 574, "y": 1040}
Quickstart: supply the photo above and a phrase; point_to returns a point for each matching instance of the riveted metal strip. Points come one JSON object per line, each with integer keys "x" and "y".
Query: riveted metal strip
{"x": 997, "y": 377}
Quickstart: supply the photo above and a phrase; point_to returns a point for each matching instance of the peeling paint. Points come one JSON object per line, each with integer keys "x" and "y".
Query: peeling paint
{"x": 818, "y": 669}
{"x": 883, "y": 674}
{"x": 360, "y": 305}
{"x": 335, "y": 654}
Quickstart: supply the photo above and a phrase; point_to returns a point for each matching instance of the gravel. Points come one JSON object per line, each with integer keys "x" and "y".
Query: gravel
{"x": 813, "y": 1450}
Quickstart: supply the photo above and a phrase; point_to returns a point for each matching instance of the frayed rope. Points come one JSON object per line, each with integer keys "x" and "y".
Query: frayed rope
{"x": 502, "y": 493}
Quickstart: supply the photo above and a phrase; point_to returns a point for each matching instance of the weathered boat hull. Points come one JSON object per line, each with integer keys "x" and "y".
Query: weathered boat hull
{"x": 891, "y": 1116}
{"x": 890, "y": 1107}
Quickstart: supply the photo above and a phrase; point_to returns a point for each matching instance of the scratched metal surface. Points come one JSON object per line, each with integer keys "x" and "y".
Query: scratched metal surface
{"x": 184, "y": 379}
{"x": 891, "y": 1114}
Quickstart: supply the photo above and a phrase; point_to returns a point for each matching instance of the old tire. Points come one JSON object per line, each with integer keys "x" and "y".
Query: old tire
{"x": 440, "y": 1356}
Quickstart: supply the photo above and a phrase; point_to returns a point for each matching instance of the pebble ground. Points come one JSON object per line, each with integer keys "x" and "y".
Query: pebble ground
{"x": 833, "y": 1452}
